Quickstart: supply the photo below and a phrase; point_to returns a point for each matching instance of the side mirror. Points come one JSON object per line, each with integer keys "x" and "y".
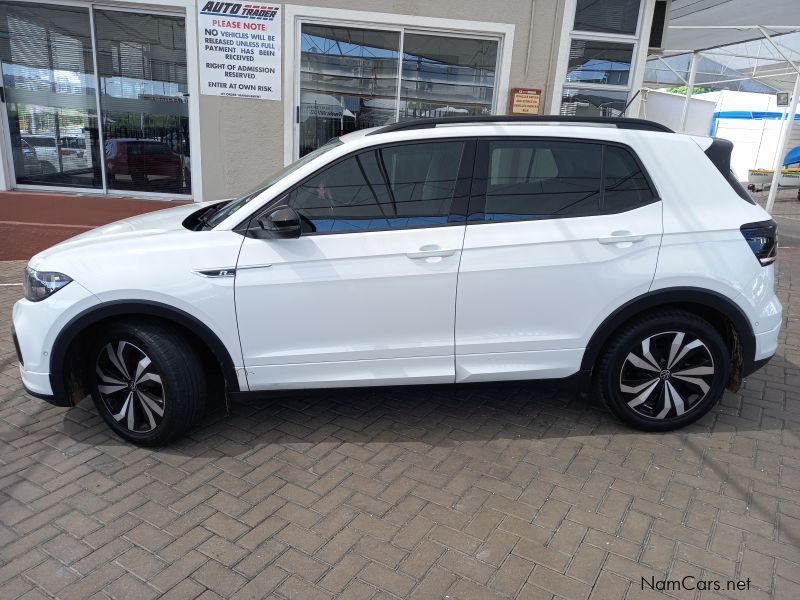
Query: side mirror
{"x": 283, "y": 222}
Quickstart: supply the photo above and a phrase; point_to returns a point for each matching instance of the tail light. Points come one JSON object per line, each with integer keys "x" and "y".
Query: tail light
{"x": 762, "y": 237}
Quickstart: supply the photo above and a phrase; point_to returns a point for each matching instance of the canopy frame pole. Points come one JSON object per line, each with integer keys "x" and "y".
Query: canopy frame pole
{"x": 777, "y": 48}
{"x": 783, "y": 140}
{"x": 674, "y": 72}
{"x": 689, "y": 89}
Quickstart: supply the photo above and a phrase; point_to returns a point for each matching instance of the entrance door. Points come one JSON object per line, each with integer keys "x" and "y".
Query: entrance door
{"x": 367, "y": 294}
{"x": 570, "y": 232}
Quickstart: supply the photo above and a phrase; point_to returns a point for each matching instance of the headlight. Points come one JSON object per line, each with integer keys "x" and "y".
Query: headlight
{"x": 38, "y": 285}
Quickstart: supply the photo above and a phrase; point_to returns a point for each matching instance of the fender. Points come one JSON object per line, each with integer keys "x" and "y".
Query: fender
{"x": 668, "y": 296}
{"x": 133, "y": 307}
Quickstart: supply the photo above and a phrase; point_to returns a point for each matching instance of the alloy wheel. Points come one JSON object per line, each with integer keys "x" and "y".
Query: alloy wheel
{"x": 129, "y": 386}
{"x": 667, "y": 375}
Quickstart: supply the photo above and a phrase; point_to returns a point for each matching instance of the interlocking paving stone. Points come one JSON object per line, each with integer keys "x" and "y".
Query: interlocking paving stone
{"x": 519, "y": 490}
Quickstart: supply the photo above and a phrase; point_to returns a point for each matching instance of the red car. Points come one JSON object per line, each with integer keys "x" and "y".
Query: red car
{"x": 143, "y": 161}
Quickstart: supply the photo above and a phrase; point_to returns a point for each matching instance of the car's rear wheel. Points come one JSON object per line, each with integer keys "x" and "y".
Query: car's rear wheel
{"x": 146, "y": 381}
{"x": 663, "y": 371}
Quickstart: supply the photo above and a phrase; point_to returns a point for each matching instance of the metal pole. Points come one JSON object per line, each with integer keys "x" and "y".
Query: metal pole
{"x": 97, "y": 82}
{"x": 786, "y": 131}
{"x": 689, "y": 90}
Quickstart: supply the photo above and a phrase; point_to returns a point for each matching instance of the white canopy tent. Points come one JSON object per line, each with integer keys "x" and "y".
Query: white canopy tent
{"x": 722, "y": 43}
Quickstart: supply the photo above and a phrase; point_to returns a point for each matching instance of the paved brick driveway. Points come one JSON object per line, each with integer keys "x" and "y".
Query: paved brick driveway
{"x": 471, "y": 492}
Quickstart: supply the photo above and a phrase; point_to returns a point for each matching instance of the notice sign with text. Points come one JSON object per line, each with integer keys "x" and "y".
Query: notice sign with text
{"x": 524, "y": 101}
{"x": 240, "y": 49}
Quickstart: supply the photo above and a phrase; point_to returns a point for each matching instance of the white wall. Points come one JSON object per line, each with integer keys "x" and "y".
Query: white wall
{"x": 755, "y": 141}
{"x": 667, "y": 108}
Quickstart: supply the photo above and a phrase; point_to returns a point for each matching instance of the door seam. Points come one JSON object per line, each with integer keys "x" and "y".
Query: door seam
{"x": 455, "y": 303}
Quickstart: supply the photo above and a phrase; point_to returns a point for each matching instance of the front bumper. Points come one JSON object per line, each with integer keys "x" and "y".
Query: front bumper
{"x": 35, "y": 326}
{"x": 35, "y": 384}
{"x": 766, "y": 346}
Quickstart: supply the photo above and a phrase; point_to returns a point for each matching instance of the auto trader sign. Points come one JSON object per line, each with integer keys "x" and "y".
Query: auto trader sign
{"x": 240, "y": 49}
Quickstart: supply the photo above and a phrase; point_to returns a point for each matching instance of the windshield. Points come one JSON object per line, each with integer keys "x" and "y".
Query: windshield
{"x": 219, "y": 213}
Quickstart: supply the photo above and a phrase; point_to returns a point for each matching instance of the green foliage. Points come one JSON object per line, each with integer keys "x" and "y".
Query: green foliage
{"x": 682, "y": 89}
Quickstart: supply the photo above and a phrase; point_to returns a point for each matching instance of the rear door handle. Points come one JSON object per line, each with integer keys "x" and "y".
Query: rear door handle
{"x": 617, "y": 237}
{"x": 431, "y": 251}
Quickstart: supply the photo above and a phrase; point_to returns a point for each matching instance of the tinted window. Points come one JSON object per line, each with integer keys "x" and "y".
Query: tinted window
{"x": 541, "y": 179}
{"x": 625, "y": 185}
{"x": 411, "y": 185}
{"x": 608, "y": 16}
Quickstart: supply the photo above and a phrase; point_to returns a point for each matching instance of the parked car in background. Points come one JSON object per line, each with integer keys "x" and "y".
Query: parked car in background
{"x": 44, "y": 146}
{"x": 66, "y": 153}
{"x": 32, "y": 164}
{"x": 450, "y": 250}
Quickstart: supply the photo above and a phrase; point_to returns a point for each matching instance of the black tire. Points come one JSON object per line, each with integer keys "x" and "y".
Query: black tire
{"x": 625, "y": 373}
{"x": 172, "y": 369}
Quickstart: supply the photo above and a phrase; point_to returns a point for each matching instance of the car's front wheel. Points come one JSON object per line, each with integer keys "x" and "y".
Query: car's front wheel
{"x": 663, "y": 371}
{"x": 146, "y": 381}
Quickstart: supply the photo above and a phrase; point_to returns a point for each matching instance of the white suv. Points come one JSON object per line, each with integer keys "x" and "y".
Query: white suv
{"x": 432, "y": 251}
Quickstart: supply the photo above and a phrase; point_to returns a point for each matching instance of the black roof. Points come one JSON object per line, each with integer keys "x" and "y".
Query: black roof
{"x": 619, "y": 122}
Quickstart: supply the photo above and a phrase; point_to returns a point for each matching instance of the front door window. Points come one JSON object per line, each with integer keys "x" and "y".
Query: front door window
{"x": 396, "y": 187}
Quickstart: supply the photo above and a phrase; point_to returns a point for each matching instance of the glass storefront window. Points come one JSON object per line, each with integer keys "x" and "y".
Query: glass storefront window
{"x": 349, "y": 79}
{"x": 592, "y": 61}
{"x": 50, "y": 74}
{"x": 444, "y": 76}
{"x": 49, "y": 81}
{"x": 598, "y": 76}
{"x": 593, "y": 102}
{"x": 143, "y": 101}
{"x": 608, "y": 16}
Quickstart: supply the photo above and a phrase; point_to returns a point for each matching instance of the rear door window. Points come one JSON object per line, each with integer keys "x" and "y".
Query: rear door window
{"x": 539, "y": 179}
{"x": 528, "y": 179}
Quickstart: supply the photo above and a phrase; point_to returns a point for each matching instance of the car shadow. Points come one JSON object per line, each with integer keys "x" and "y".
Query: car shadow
{"x": 492, "y": 427}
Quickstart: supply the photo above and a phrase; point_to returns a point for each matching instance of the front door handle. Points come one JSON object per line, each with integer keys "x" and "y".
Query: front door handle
{"x": 618, "y": 237}
{"x": 431, "y": 250}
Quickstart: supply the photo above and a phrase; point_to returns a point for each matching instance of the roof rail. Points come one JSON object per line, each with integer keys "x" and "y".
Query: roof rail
{"x": 619, "y": 122}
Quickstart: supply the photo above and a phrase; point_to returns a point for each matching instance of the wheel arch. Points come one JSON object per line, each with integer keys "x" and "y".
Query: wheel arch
{"x": 712, "y": 306}
{"x": 66, "y": 386}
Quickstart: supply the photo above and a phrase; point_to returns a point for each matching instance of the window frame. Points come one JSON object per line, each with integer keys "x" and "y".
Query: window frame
{"x": 476, "y": 214}
{"x": 295, "y": 16}
{"x": 457, "y": 215}
{"x": 639, "y": 39}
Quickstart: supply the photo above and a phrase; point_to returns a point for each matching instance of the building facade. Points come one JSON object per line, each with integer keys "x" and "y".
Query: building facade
{"x": 190, "y": 99}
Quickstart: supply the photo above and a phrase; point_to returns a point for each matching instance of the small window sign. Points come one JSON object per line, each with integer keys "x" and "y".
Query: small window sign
{"x": 783, "y": 98}
{"x": 524, "y": 101}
